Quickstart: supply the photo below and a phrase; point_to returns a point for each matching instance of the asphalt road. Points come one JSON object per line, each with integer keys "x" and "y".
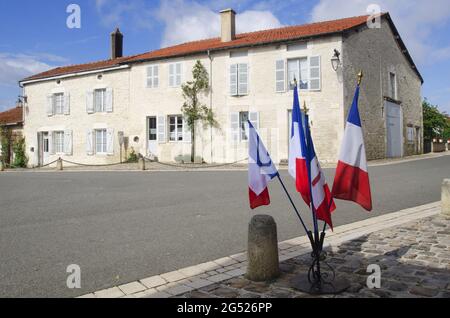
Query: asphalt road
{"x": 123, "y": 226}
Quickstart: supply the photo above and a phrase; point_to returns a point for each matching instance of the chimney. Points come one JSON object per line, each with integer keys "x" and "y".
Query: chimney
{"x": 228, "y": 32}
{"x": 116, "y": 44}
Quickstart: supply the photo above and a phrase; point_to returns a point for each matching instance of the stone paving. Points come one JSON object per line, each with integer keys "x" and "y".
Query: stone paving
{"x": 412, "y": 247}
{"x": 414, "y": 259}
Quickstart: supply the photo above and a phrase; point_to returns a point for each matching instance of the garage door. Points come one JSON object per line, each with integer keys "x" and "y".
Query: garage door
{"x": 394, "y": 130}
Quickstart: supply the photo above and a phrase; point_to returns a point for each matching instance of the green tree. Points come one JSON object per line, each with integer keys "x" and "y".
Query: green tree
{"x": 435, "y": 123}
{"x": 20, "y": 158}
{"x": 193, "y": 109}
{"x": 5, "y": 143}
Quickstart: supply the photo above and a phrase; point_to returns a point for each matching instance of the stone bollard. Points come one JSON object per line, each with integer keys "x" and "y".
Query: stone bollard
{"x": 59, "y": 165}
{"x": 445, "y": 198}
{"x": 141, "y": 163}
{"x": 262, "y": 249}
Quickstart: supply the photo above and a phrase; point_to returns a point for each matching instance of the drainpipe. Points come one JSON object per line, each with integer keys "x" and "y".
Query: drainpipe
{"x": 210, "y": 99}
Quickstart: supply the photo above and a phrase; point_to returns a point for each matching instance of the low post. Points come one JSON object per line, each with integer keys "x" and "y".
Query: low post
{"x": 262, "y": 251}
{"x": 59, "y": 165}
{"x": 445, "y": 198}
{"x": 141, "y": 163}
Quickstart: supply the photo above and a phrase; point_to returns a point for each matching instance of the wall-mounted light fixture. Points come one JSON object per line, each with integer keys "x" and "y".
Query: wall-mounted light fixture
{"x": 22, "y": 100}
{"x": 335, "y": 60}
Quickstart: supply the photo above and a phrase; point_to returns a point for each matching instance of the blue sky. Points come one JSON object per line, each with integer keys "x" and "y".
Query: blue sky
{"x": 35, "y": 36}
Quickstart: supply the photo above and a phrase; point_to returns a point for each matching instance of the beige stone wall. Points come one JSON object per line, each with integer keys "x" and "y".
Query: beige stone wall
{"x": 376, "y": 52}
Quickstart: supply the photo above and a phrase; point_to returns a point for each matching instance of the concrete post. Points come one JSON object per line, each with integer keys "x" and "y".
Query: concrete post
{"x": 445, "y": 198}
{"x": 141, "y": 163}
{"x": 59, "y": 165}
{"x": 262, "y": 249}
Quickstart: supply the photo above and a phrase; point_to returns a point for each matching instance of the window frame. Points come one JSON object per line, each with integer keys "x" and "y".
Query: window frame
{"x": 243, "y": 126}
{"x": 179, "y": 131}
{"x": 299, "y": 70}
{"x": 58, "y": 142}
{"x": 58, "y": 98}
{"x": 103, "y": 100}
{"x": 104, "y": 143}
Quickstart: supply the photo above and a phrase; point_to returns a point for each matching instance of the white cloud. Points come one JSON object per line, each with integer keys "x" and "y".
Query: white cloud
{"x": 114, "y": 13}
{"x": 416, "y": 21}
{"x": 196, "y": 21}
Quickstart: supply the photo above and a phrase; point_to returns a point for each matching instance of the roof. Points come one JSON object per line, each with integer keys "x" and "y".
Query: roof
{"x": 12, "y": 116}
{"x": 264, "y": 37}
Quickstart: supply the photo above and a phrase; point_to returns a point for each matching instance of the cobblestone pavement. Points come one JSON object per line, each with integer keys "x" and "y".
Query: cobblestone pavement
{"x": 414, "y": 259}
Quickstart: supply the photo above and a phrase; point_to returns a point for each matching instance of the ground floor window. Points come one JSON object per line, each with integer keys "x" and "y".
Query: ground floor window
{"x": 176, "y": 128}
{"x": 100, "y": 141}
{"x": 243, "y": 125}
{"x": 58, "y": 141}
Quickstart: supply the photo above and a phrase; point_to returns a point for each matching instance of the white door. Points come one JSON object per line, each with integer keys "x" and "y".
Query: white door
{"x": 45, "y": 148}
{"x": 394, "y": 130}
{"x": 152, "y": 143}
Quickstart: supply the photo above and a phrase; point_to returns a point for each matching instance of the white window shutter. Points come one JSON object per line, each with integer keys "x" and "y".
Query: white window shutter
{"x": 50, "y": 105}
{"x": 149, "y": 77}
{"x": 51, "y": 146}
{"x": 171, "y": 75}
{"x": 67, "y": 104}
{"x": 109, "y": 100}
{"x": 186, "y": 132}
{"x": 254, "y": 119}
{"x": 90, "y": 102}
{"x": 234, "y": 127}
{"x": 89, "y": 142}
{"x": 179, "y": 71}
{"x": 68, "y": 144}
{"x": 233, "y": 80}
{"x": 110, "y": 141}
{"x": 161, "y": 129}
{"x": 243, "y": 79}
{"x": 155, "y": 76}
{"x": 314, "y": 73}
{"x": 280, "y": 76}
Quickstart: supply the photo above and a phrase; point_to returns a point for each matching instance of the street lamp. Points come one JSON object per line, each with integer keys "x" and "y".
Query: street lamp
{"x": 335, "y": 60}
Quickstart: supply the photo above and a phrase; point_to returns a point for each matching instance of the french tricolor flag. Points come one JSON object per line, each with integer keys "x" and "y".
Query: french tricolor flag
{"x": 260, "y": 170}
{"x": 351, "y": 182}
{"x": 297, "y": 151}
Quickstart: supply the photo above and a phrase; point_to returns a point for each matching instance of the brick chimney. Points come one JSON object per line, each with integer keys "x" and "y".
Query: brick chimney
{"x": 228, "y": 32}
{"x": 116, "y": 44}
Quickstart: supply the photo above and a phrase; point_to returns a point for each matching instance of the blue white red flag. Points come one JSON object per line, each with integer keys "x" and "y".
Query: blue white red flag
{"x": 260, "y": 170}
{"x": 351, "y": 182}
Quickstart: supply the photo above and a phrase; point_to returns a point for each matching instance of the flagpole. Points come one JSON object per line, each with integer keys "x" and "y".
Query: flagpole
{"x": 293, "y": 205}
{"x": 360, "y": 77}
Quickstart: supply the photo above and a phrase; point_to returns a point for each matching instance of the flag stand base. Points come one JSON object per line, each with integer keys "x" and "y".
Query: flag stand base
{"x": 319, "y": 281}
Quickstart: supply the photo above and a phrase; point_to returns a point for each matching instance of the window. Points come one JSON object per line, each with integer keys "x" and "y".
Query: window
{"x": 152, "y": 129}
{"x": 176, "y": 128}
{"x": 239, "y": 79}
{"x": 175, "y": 74}
{"x": 101, "y": 141}
{"x": 58, "y": 140}
{"x": 298, "y": 69}
{"x": 243, "y": 125}
{"x": 58, "y": 103}
{"x": 153, "y": 76}
{"x": 392, "y": 85}
{"x": 410, "y": 134}
{"x": 100, "y": 100}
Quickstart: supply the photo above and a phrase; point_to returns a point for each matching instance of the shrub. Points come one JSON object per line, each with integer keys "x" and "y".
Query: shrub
{"x": 20, "y": 158}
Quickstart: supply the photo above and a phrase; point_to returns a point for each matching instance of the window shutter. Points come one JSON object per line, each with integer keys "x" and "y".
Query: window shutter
{"x": 254, "y": 119}
{"x": 68, "y": 144}
{"x": 179, "y": 71}
{"x": 67, "y": 104}
{"x": 280, "y": 76}
{"x": 89, "y": 142}
{"x": 186, "y": 132}
{"x": 50, "y": 105}
{"x": 90, "y": 102}
{"x": 243, "y": 79}
{"x": 161, "y": 129}
{"x": 110, "y": 141}
{"x": 51, "y": 146}
{"x": 155, "y": 76}
{"x": 234, "y": 127}
{"x": 233, "y": 80}
{"x": 109, "y": 100}
{"x": 150, "y": 76}
{"x": 171, "y": 75}
{"x": 314, "y": 73}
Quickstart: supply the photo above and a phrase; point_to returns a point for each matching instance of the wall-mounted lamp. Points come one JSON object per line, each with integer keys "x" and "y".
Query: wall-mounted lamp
{"x": 22, "y": 100}
{"x": 335, "y": 60}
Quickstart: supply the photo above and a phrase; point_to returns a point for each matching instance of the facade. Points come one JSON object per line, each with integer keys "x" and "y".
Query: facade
{"x": 95, "y": 113}
{"x": 12, "y": 121}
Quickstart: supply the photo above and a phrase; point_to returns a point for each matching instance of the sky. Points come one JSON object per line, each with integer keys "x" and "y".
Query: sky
{"x": 35, "y": 36}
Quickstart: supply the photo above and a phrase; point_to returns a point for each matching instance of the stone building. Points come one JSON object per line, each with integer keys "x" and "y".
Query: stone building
{"x": 82, "y": 111}
{"x": 11, "y": 126}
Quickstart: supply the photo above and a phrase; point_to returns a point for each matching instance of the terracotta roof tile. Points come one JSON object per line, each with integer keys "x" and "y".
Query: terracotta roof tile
{"x": 12, "y": 116}
{"x": 242, "y": 40}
